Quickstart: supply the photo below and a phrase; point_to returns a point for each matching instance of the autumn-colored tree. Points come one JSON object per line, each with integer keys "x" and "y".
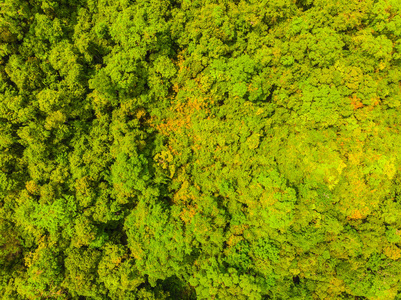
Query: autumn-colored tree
{"x": 206, "y": 149}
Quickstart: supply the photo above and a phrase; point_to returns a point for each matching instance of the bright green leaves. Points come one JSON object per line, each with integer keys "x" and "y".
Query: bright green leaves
{"x": 393, "y": 235}
{"x": 14, "y": 17}
{"x": 264, "y": 249}
{"x": 352, "y": 248}
{"x": 25, "y": 74}
{"x": 51, "y": 217}
{"x": 165, "y": 67}
{"x": 378, "y": 50}
{"x": 55, "y": 216}
{"x": 156, "y": 241}
{"x": 137, "y": 29}
{"x": 64, "y": 59}
{"x": 372, "y": 277}
{"x": 84, "y": 232}
{"x": 325, "y": 47}
{"x": 238, "y": 256}
{"x": 102, "y": 83}
{"x": 265, "y": 254}
{"x": 46, "y": 29}
{"x": 233, "y": 76}
{"x": 200, "y": 149}
{"x": 44, "y": 273}
{"x": 298, "y": 25}
{"x": 10, "y": 246}
{"x": 320, "y": 105}
{"x": 81, "y": 273}
{"x": 320, "y": 162}
{"x": 118, "y": 273}
{"x": 211, "y": 281}
{"x": 129, "y": 175}
{"x": 240, "y": 69}
{"x": 277, "y": 200}
{"x": 138, "y": 25}
{"x": 50, "y": 100}
{"x": 6, "y": 184}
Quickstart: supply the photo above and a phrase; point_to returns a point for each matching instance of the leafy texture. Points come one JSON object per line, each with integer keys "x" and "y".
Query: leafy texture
{"x": 200, "y": 149}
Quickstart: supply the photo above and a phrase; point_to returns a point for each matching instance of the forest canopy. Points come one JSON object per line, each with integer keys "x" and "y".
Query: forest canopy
{"x": 204, "y": 149}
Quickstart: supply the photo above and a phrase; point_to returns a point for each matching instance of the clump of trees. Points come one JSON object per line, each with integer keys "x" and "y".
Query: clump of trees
{"x": 205, "y": 149}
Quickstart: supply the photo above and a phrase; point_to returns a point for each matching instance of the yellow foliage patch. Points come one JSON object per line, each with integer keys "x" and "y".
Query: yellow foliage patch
{"x": 358, "y": 214}
{"x": 356, "y": 103}
{"x": 392, "y": 252}
{"x": 188, "y": 213}
{"x": 32, "y": 187}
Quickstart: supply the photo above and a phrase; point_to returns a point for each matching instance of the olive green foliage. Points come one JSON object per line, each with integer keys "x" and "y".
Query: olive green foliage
{"x": 205, "y": 149}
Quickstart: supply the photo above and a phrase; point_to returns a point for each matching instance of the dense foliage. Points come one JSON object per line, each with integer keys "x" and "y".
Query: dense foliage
{"x": 200, "y": 149}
